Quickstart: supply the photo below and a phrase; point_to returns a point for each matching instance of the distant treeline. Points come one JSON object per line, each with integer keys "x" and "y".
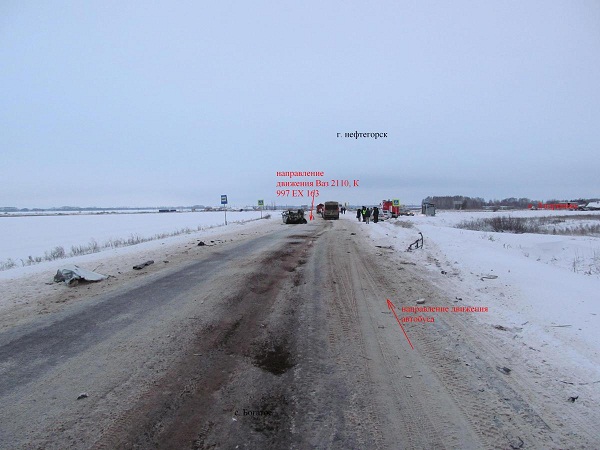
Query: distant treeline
{"x": 462, "y": 202}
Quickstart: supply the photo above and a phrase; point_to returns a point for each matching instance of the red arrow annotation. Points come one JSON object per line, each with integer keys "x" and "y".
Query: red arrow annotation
{"x": 312, "y": 206}
{"x": 392, "y": 307}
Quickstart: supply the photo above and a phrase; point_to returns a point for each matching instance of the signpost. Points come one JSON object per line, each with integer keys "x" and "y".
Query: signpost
{"x": 395, "y": 202}
{"x": 261, "y": 203}
{"x": 224, "y": 202}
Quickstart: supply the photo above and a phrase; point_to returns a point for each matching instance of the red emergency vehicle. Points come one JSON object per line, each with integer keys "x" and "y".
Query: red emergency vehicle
{"x": 394, "y": 211}
{"x": 388, "y": 205}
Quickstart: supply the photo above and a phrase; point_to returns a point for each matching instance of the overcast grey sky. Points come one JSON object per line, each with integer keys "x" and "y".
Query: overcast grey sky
{"x": 122, "y": 103}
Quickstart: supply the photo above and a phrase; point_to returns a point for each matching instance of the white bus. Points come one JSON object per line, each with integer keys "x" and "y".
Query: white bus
{"x": 331, "y": 210}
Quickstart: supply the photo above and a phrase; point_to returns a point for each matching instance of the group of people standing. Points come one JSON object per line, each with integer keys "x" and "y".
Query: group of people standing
{"x": 365, "y": 213}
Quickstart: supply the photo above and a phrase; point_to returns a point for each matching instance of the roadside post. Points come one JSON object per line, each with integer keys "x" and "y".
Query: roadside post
{"x": 261, "y": 204}
{"x": 224, "y": 202}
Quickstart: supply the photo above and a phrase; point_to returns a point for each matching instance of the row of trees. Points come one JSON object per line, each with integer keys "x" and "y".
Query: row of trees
{"x": 463, "y": 202}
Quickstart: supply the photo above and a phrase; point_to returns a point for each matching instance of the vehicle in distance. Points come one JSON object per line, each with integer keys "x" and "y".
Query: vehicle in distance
{"x": 292, "y": 216}
{"x": 331, "y": 210}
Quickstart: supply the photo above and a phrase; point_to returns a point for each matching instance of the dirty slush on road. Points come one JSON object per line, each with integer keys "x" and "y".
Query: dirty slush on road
{"x": 262, "y": 374}
{"x": 259, "y": 375}
{"x": 233, "y": 387}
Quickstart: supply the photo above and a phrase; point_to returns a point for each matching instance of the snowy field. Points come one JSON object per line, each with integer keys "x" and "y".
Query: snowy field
{"x": 38, "y": 237}
{"x": 574, "y": 253}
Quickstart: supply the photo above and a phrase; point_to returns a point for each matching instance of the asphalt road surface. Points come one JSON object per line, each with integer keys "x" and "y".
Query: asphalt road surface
{"x": 284, "y": 340}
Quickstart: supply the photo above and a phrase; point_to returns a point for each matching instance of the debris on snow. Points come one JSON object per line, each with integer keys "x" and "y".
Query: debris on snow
{"x": 505, "y": 370}
{"x": 580, "y": 384}
{"x": 517, "y": 444}
{"x": 489, "y": 277}
{"x": 417, "y": 244}
{"x": 142, "y": 265}
{"x": 71, "y": 274}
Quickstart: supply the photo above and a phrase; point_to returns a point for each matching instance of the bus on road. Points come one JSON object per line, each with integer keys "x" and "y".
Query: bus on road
{"x": 331, "y": 210}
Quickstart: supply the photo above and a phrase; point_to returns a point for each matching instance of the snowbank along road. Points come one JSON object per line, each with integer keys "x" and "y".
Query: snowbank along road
{"x": 282, "y": 339}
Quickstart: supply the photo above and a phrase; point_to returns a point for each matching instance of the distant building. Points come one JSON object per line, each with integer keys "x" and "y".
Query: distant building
{"x": 428, "y": 209}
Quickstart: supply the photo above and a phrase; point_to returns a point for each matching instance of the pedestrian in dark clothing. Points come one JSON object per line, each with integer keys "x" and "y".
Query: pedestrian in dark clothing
{"x": 375, "y": 214}
{"x": 358, "y": 214}
{"x": 368, "y": 215}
